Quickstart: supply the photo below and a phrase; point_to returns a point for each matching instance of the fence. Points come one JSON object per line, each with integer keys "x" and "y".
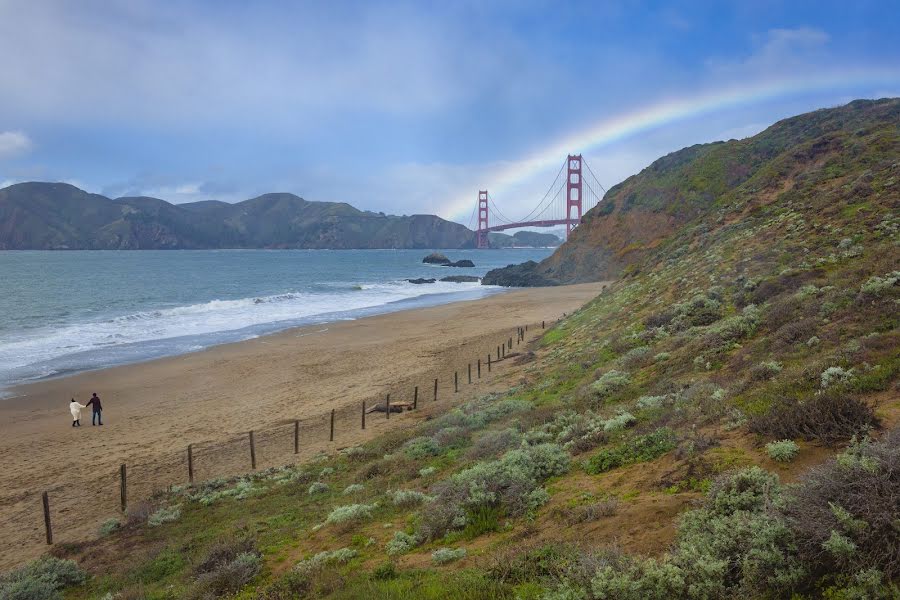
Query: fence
{"x": 66, "y": 512}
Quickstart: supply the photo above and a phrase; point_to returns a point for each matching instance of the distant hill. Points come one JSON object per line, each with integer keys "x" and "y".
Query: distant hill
{"x": 58, "y": 216}
{"x": 816, "y": 161}
{"x": 524, "y": 239}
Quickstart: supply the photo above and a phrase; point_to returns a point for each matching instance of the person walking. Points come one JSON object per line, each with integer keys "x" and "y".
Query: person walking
{"x": 75, "y": 409}
{"x": 96, "y": 415}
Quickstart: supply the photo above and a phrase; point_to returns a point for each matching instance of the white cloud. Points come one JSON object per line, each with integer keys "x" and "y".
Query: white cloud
{"x": 14, "y": 144}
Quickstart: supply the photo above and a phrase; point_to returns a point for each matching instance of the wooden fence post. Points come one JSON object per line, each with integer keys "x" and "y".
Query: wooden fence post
{"x": 509, "y": 343}
{"x": 46, "y": 501}
{"x": 542, "y": 324}
{"x": 416, "y": 397}
{"x": 498, "y": 352}
{"x": 387, "y": 406}
{"x": 504, "y": 350}
{"x": 123, "y": 487}
{"x": 296, "y": 436}
{"x": 435, "y": 390}
{"x": 252, "y": 451}
{"x": 489, "y": 362}
{"x": 363, "y": 414}
{"x": 470, "y": 372}
{"x": 190, "y": 463}
{"x": 455, "y": 381}
{"x": 479, "y": 368}
{"x": 331, "y": 427}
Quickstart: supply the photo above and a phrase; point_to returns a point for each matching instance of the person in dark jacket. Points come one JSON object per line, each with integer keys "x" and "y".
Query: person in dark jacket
{"x": 97, "y": 415}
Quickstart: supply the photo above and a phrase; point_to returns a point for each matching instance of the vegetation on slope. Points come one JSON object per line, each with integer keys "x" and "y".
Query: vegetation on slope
{"x": 719, "y": 423}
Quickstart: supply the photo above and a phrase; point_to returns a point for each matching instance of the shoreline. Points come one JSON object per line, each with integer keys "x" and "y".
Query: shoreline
{"x": 154, "y": 409}
{"x": 425, "y": 300}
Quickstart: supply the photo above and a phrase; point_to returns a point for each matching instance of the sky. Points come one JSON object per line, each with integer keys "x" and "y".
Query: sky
{"x": 409, "y": 107}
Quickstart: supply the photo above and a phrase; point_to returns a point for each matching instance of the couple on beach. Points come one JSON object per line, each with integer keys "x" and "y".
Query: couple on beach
{"x": 94, "y": 402}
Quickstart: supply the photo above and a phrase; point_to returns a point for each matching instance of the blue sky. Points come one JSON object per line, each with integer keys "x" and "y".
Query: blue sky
{"x": 409, "y": 107}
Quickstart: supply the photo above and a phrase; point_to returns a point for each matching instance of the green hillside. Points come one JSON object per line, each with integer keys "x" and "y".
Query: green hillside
{"x": 58, "y": 216}
{"x": 718, "y": 423}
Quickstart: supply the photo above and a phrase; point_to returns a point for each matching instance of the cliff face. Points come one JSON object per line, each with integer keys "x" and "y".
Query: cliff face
{"x": 50, "y": 216}
{"x": 816, "y": 155}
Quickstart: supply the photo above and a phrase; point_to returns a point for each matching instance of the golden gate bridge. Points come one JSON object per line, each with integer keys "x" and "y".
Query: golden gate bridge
{"x": 563, "y": 204}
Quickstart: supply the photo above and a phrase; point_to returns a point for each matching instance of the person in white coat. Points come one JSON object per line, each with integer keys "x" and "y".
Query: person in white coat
{"x": 75, "y": 409}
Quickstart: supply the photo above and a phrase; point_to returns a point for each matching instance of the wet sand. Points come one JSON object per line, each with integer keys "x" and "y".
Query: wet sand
{"x": 152, "y": 410}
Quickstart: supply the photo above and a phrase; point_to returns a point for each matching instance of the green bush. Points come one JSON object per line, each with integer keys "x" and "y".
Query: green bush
{"x": 42, "y": 579}
{"x": 609, "y": 383}
{"x": 165, "y": 514}
{"x": 420, "y": 448}
{"x": 443, "y": 556}
{"x": 407, "y": 498}
{"x": 639, "y": 449}
{"x": 351, "y": 513}
{"x": 317, "y": 487}
{"x": 505, "y": 483}
{"x": 227, "y": 577}
{"x": 401, "y": 543}
{"x": 782, "y": 451}
{"x": 109, "y": 526}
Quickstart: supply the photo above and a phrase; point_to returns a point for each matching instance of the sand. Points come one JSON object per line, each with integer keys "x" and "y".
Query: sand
{"x": 212, "y": 398}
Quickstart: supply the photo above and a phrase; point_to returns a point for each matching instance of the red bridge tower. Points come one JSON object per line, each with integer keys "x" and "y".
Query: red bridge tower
{"x": 573, "y": 192}
{"x": 481, "y": 234}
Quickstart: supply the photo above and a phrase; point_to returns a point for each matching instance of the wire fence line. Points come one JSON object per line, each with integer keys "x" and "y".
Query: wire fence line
{"x": 70, "y": 511}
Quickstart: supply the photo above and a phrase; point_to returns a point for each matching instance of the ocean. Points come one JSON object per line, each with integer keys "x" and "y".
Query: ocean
{"x": 65, "y": 312}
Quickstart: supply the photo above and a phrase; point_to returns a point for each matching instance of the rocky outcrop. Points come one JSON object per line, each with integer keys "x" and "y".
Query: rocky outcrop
{"x": 460, "y": 279}
{"x": 460, "y": 263}
{"x": 436, "y": 258}
{"x": 523, "y": 275}
{"x": 420, "y": 281}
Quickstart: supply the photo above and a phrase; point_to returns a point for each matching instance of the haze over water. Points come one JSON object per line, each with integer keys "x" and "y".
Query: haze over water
{"x": 63, "y": 312}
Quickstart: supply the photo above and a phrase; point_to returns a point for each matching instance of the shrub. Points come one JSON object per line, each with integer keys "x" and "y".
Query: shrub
{"x": 835, "y": 376}
{"x": 328, "y": 557}
{"x": 505, "y": 483}
{"x": 829, "y": 418}
{"x": 165, "y": 514}
{"x": 317, "y": 487}
{"x": 109, "y": 526}
{"x": 427, "y": 471}
{"x": 880, "y": 286}
{"x": 493, "y": 443}
{"x": 662, "y": 357}
{"x": 443, "y": 556}
{"x": 353, "y": 488}
{"x": 401, "y": 543}
{"x": 782, "y": 451}
{"x": 765, "y": 370}
{"x": 408, "y": 498}
{"x": 636, "y": 357}
{"x": 619, "y": 422}
{"x": 224, "y": 551}
{"x": 419, "y": 448}
{"x": 639, "y": 449}
{"x": 649, "y": 402}
{"x": 351, "y": 513}
{"x": 610, "y": 383}
{"x": 226, "y": 568}
{"x": 850, "y": 502}
{"x": 42, "y": 579}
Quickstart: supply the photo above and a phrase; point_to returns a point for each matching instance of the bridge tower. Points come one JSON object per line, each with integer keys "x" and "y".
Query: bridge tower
{"x": 573, "y": 192}
{"x": 481, "y": 234}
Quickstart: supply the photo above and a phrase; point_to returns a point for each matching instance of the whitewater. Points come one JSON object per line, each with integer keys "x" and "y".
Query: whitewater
{"x": 66, "y": 312}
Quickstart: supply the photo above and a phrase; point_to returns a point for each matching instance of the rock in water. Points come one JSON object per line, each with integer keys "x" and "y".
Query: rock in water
{"x": 420, "y": 281}
{"x": 460, "y": 263}
{"x": 460, "y": 279}
{"x": 436, "y": 258}
{"x": 523, "y": 275}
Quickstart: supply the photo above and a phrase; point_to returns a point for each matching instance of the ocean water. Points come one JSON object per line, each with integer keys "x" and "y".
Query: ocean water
{"x": 64, "y": 312}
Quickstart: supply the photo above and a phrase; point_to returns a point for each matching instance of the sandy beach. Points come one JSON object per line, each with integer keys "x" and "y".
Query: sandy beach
{"x": 152, "y": 410}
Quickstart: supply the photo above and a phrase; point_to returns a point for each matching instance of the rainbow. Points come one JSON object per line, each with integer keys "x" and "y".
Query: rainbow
{"x": 662, "y": 113}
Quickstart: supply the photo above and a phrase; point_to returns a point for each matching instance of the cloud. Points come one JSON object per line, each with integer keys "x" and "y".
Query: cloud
{"x": 14, "y": 144}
